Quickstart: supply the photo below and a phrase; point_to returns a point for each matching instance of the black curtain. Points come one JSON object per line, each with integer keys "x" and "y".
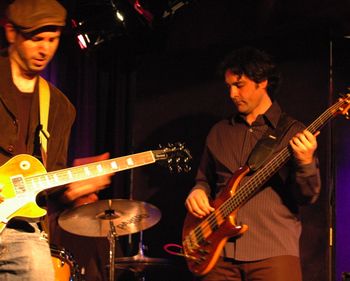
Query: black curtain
{"x": 99, "y": 84}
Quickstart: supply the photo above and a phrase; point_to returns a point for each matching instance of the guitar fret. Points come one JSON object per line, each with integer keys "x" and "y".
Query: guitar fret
{"x": 47, "y": 180}
{"x": 114, "y": 165}
{"x": 99, "y": 168}
{"x": 130, "y": 162}
{"x": 87, "y": 171}
{"x": 41, "y": 183}
{"x": 55, "y": 177}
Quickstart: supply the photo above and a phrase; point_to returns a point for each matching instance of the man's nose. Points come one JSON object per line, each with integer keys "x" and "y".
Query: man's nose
{"x": 233, "y": 91}
{"x": 44, "y": 47}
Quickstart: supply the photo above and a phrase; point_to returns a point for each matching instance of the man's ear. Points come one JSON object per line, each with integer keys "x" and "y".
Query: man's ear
{"x": 10, "y": 32}
{"x": 263, "y": 84}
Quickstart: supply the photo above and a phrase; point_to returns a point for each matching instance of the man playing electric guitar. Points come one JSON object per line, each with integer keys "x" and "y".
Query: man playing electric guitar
{"x": 33, "y": 29}
{"x": 269, "y": 249}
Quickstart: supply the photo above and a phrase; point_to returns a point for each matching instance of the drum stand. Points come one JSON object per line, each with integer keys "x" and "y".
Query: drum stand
{"x": 140, "y": 263}
{"x": 140, "y": 275}
{"x": 112, "y": 237}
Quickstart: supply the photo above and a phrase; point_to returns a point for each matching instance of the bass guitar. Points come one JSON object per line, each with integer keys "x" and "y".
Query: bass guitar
{"x": 204, "y": 239}
{"x": 23, "y": 177}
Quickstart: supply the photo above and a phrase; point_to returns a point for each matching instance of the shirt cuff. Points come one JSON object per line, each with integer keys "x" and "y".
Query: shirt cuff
{"x": 308, "y": 170}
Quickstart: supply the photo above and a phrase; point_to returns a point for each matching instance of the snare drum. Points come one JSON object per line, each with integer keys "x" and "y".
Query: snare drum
{"x": 66, "y": 269}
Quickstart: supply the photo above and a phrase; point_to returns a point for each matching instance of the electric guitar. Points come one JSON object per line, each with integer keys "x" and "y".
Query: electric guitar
{"x": 204, "y": 239}
{"x": 23, "y": 177}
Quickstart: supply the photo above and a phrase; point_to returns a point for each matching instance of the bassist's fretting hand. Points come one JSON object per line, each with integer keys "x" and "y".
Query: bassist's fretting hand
{"x": 304, "y": 145}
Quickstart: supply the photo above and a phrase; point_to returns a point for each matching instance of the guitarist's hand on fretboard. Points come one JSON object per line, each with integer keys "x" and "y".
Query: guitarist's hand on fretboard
{"x": 197, "y": 203}
{"x": 77, "y": 192}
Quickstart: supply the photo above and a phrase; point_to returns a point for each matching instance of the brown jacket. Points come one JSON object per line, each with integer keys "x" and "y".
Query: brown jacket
{"x": 61, "y": 118}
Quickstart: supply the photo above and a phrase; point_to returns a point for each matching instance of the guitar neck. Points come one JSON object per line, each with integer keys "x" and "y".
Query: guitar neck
{"x": 88, "y": 171}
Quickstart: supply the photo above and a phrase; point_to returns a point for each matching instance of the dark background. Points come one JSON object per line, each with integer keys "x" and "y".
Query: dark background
{"x": 154, "y": 82}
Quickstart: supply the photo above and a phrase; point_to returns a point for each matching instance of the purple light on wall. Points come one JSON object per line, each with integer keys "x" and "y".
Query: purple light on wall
{"x": 342, "y": 255}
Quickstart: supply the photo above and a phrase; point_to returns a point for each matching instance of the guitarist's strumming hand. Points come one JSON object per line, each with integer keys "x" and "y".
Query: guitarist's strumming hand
{"x": 304, "y": 145}
{"x": 83, "y": 192}
{"x": 197, "y": 203}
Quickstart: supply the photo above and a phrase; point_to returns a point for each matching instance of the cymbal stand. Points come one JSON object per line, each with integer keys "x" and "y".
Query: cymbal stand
{"x": 112, "y": 237}
{"x": 140, "y": 250}
{"x": 140, "y": 275}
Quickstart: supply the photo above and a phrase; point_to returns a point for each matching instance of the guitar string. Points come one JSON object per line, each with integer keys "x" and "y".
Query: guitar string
{"x": 226, "y": 208}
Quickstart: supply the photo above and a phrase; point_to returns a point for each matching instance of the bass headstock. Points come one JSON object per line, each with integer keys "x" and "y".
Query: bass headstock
{"x": 344, "y": 106}
{"x": 175, "y": 156}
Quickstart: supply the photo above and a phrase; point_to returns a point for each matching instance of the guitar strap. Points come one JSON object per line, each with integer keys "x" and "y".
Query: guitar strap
{"x": 268, "y": 143}
{"x": 44, "y": 105}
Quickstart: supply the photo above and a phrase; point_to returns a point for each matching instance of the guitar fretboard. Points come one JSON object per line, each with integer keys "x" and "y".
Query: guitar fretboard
{"x": 57, "y": 178}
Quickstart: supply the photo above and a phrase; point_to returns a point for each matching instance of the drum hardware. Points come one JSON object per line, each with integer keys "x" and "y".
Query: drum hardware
{"x": 140, "y": 263}
{"x": 112, "y": 237}
{"x": 65, "y": 268}
{"x": 110, "y": 218}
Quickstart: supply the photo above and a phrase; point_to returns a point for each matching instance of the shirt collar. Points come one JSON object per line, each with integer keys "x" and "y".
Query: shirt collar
{"x": 271, "y": 116}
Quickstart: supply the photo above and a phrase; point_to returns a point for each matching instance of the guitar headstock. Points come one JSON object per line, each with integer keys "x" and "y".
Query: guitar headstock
{"x": 176, "y": 156}
{"x": 344, "y": 107}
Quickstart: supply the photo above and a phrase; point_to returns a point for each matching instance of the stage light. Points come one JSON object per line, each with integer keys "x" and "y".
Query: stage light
{"x": 157, "y": 10}
{"x": 119, "y": 16}
{"x": 96, "y": 22}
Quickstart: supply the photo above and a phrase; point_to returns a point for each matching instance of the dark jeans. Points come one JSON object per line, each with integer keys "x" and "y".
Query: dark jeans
{"x": 281, "y": 268}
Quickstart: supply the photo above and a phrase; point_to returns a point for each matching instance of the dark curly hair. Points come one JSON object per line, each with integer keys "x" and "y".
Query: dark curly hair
{"x": 253, "y": 63}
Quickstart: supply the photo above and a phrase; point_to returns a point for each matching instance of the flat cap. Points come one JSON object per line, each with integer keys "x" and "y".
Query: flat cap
{"x": 30, "y": 15}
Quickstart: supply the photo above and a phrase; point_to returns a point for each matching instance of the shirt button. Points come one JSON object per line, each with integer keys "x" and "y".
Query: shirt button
{"x": 10, "y": 148}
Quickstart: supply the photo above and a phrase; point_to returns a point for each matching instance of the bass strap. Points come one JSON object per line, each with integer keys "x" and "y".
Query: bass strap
{"x": 268, "y": 143}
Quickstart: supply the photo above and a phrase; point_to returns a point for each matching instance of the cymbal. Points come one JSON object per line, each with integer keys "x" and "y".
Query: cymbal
{"x": 94, "y": 219}
{"x": 139, "y": 263}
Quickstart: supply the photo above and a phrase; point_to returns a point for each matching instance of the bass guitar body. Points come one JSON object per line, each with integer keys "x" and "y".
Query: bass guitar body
{"x": 204, "y": 239}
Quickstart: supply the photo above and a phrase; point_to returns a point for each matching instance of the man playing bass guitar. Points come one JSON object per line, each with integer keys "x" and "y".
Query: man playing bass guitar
{"x": 269, "y": 249}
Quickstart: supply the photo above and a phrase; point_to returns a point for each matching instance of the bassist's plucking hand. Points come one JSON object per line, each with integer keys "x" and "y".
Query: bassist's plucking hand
{"x": 197, "y": 203}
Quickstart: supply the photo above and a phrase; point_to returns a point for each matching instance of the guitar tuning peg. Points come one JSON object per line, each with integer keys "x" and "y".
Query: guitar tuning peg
{"x": 187, "y": 168}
